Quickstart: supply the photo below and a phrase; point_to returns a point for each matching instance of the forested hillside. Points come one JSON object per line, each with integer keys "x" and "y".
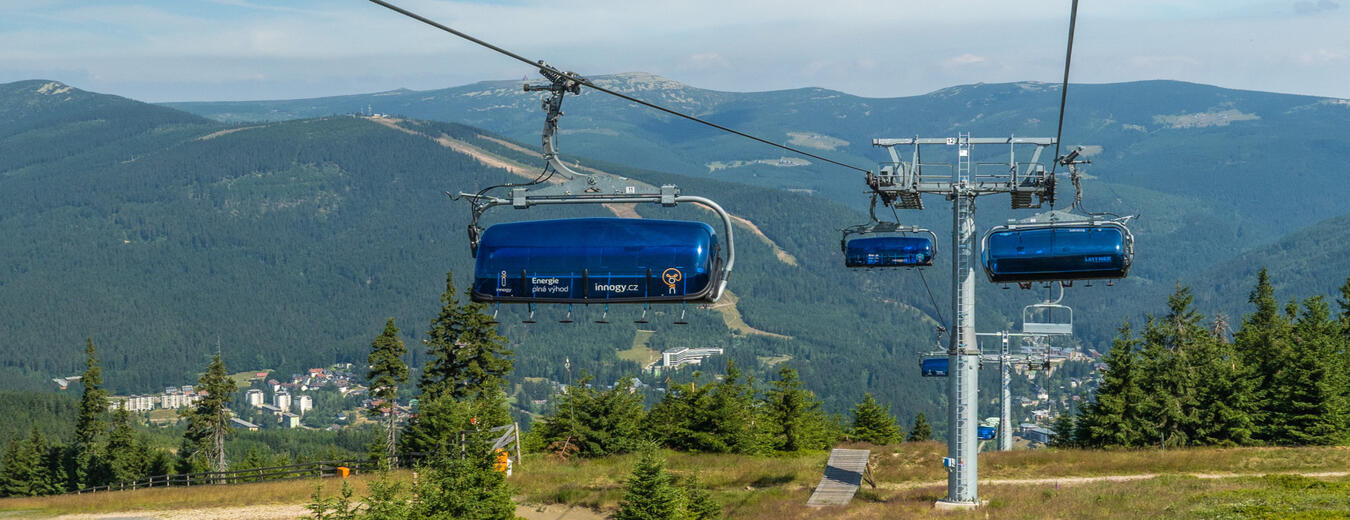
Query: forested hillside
{"x": 1212, "y": 172}
{"x": 288, "y": 244}
{"x": 162, "y": 235}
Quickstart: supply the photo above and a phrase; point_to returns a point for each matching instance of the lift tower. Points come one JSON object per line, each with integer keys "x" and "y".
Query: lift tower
{"x": 900, "y": 184}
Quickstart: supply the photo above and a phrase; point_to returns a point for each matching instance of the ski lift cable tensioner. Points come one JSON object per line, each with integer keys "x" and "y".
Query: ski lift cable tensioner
{"x": 552, "y": 72}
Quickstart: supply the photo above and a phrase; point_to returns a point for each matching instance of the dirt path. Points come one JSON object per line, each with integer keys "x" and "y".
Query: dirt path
{"x": 1069, "y": 481}
{"x": 214, "y": 135}
{"x": 294, "y": 511}
{"x": 732, "y": 316}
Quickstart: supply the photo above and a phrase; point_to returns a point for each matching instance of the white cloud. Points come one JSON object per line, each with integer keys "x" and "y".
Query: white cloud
{"x": 706, "y": 60}
{"x": 1322, "y": 56}
{"x": 871, "y": 48}
{"x": 964, "y": 59}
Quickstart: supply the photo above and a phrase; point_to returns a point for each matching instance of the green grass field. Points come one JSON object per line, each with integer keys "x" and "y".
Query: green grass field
{"x": 1234, "y": 483}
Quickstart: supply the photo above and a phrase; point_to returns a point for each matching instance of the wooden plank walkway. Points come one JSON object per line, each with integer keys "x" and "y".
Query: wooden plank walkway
{"x": 843, "y": 475}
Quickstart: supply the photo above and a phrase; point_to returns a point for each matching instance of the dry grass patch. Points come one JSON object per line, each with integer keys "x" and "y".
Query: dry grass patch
{"x": 196, "y": 497}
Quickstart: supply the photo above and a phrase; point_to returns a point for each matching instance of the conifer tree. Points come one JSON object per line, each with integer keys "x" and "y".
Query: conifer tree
{"x": 1115, "y": 416}
{"x": 1344, "y": 316}
{"x": 1315, "y": 409}
{"x": 795, "y": 414}
{"x": 1169, "y": 374}
{"x": 90, "y": 427}
{"x": 209, "y": 421}
{"x": 1263, "y": 345}
{"x": 650, "y": 493}
{"x": 699, "y": 503}
{"x": 438, "y": 422}
{"x": 53, "y": 461}
{"x": 387, "y": 371}
{"x": 874, "y": 423}
{"x": 466, "y": 356}
{"x": 595, "y": 423}
{"x": 17, "y": 471}
{"x": 731, "y": 419}
{"x": 127, "y": 457}
{"x": 1064, "y": 427}
{"x": 922, "y": 431}
{"x": 464, "y": 487}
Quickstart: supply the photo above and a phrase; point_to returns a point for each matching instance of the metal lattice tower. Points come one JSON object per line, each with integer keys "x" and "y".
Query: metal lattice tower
{"x": 900, "y": 184}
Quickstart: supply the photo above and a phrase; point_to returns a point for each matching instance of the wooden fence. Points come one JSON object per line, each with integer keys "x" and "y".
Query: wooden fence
{"x": 309, "y": 469}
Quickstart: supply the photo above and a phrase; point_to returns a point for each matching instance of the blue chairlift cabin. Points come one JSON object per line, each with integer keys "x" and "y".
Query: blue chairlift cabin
{"x": 1058, "y": 251}
{"x": 933, "y": 367}
{"x": 597, "y": 260}
{"x": 889, "y": 251}
{"x": 986, "y": 433}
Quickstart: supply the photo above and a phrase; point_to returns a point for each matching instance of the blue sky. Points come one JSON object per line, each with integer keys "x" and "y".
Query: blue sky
{"x": 254, "y": 49}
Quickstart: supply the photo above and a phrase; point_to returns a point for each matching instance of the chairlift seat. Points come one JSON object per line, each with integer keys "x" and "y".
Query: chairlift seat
{"x": 1047, "y": 318}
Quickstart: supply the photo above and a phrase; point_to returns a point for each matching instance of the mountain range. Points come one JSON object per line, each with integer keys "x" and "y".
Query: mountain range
{"x": 282, "y": 233}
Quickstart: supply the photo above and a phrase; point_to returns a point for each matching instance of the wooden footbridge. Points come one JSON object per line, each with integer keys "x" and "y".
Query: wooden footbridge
{"x": 844, "y": 473}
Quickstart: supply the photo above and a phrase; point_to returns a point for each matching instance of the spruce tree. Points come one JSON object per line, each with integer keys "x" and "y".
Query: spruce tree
{"x": 1064, "y": 427}
{"x": 922, "y": 431}
{"x": 387, "y": 371}
{"x": 127, "y": 457}
{"x": 731, "y": 420}
{"x": 209, "y": 421}
{"x": 54, "y": 464}
{"x": 650, "y": 493}
{"x": 874, "y": 423}
{"x": 1224, "y": 395}
{"x": 1169, "y": 376}
{"x": 438, "y": 422}
{"x": 464, "y": 487}
{"x": 795, "y": 414}
{"x": 593, "y": 423}
{"x": 1344, "y": 316}
{"x": 17, "y": 471}
{"x": 1315, "y": 410}
{"x": 90, "y": 427}
{"x": 1262, "y": 344}
{"x": 466, "y": 356}
{"x": 699, "y": 503}
{"x": 1115, "y": 415}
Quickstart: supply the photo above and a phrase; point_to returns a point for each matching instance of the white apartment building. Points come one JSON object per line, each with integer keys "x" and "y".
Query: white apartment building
{"x": 680, "y": 356}
{"x": 282, "y": 400}
{"x": 255, "y": 398}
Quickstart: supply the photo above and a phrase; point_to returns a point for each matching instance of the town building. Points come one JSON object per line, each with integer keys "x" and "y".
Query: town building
{"x": 255, "y": 397}
{"x": 240, "y": 424}
{"x": 304, "y": 403}
{"x": 680, "y": 356}
{"x": 282, "y": 400}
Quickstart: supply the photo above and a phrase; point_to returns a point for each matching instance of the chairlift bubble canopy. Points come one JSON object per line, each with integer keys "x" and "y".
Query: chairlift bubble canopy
{"x": 597, "y": 260}
{"x": 889, "y": 251}
{"x": 933, "y": 367}
{"x": 1058, "y": 251}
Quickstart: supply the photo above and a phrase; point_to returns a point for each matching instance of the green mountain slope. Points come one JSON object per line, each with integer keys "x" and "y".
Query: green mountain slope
{"x": 287, "y": 244}
{"x": 1308, "y": 262}
{"x": 162, "y": 234}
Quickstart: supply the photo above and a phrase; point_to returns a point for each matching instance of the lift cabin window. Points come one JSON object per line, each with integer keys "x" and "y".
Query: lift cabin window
{"x": 1061, "y": 252}
{"x": 597, "y": 260}
{"x": 889, "y": 252}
